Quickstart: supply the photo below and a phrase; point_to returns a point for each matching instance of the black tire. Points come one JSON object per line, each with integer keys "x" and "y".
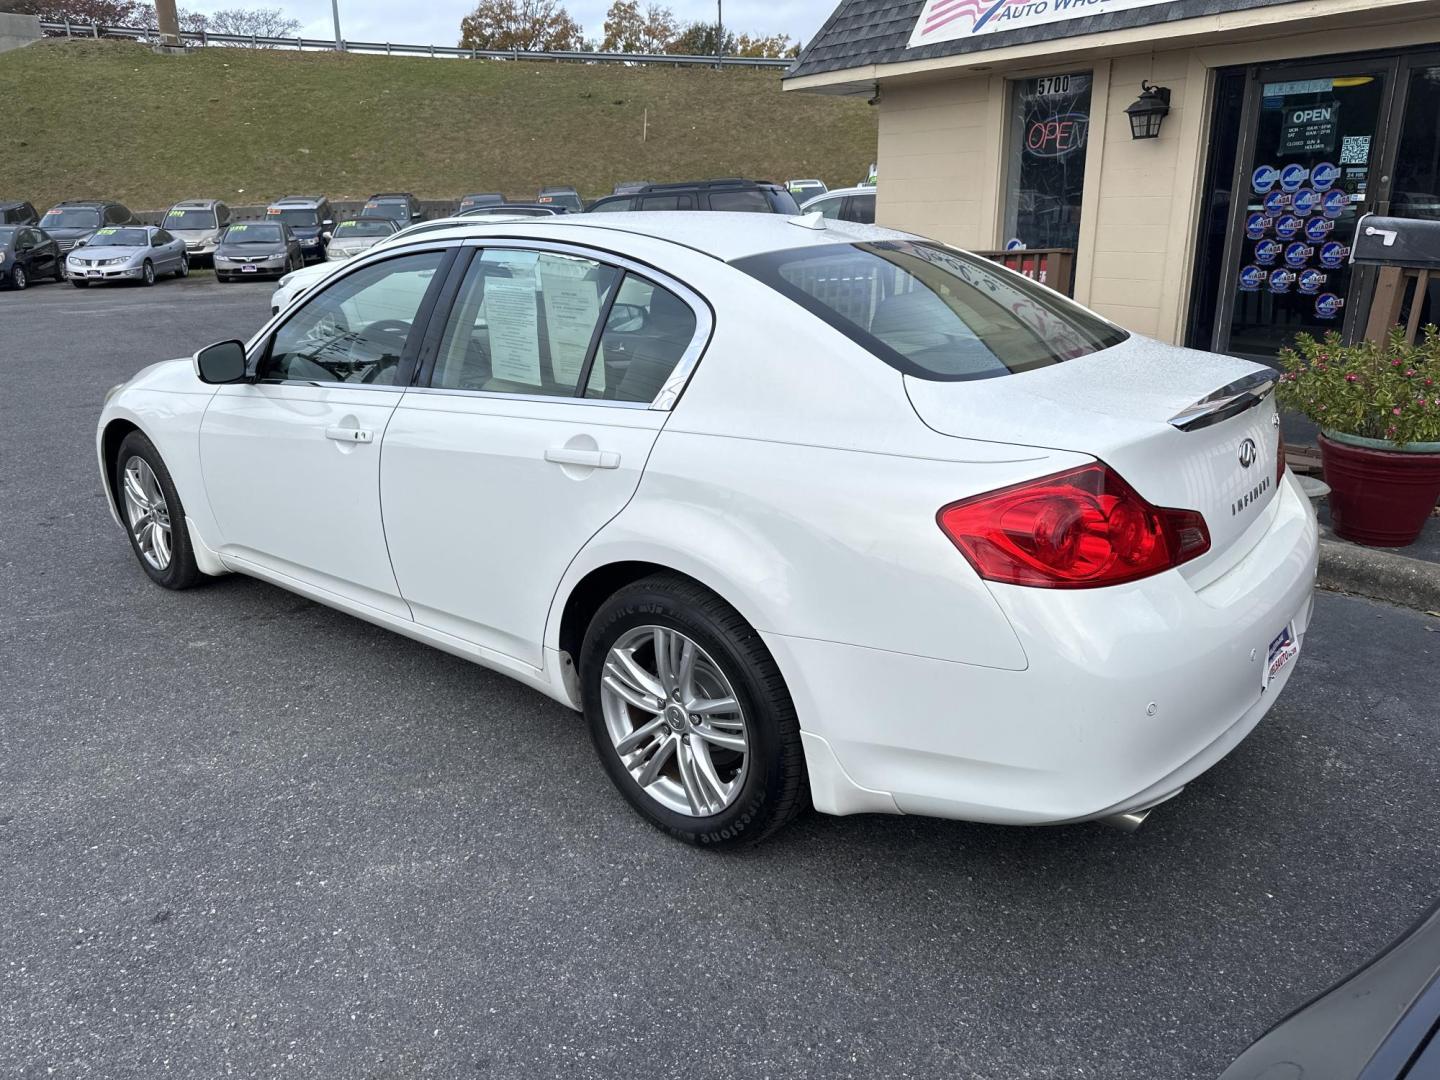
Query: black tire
{"x": 775, "y": 786}
{"x": 147, "y": 274}
{"x": 59, "y": 273}
{"x": 184, "y": 270}
{"x": 18, "y": 278}
{"x": 182, "y": 571}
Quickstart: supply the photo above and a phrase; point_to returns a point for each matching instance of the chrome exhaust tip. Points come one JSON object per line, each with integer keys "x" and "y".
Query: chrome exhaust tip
{"x": 1129, "y": 822}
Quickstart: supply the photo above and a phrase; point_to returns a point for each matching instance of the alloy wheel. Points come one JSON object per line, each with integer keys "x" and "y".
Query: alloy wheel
{"x": 147, "y": 513}
{"x": 17, "y": 277}
{"x": 673, "y": 718}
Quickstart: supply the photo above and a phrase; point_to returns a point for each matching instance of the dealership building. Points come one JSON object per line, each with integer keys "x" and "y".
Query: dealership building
{"x": 1192, "y": 169}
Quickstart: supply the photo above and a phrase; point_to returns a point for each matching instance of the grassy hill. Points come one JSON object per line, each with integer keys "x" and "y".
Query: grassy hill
{"x": 90, "y": 119}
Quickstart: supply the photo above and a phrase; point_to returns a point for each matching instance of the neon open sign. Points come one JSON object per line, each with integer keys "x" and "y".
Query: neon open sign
{"x": 1056, "y": 136}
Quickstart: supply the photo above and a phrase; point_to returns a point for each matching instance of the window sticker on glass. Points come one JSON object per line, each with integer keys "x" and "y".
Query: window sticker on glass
{"x": 238, "y": 228}
{"x": 514, "y": 331}
{"x": 274, "y": 211}
{"x": 572, "y": 308}
{"x": 105, "y": 232}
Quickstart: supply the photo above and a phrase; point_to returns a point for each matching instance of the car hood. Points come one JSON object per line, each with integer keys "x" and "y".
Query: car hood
{"x": 195, "y": 234}
{"x": 96, "y": 251}
{"x": 356, "y": 243}
{"x": 70, "y": 234}
{"x": 251, "y": 251}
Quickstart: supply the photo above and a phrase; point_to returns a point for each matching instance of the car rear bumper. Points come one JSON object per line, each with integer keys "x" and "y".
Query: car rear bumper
{"x": 1129, "y": 694}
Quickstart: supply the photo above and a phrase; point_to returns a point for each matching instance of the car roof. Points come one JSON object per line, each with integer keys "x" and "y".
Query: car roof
{"x": 300, "y": 200}
{"x": 858, "y": 190}
{"x": 392, "y": 195}
{"x": 198, "y": 204}
{"x": 721, "y": 234}
{"x": 14, "y": 202}
{"x": 716, "y": 182}
{"x": 87, "y": 202}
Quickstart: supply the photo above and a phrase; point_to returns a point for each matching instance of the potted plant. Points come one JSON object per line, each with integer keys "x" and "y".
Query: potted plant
{"x": 1378, "y": 407}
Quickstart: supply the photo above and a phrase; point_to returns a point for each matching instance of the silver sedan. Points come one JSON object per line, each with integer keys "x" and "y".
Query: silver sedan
{"x": 127, "y": 253}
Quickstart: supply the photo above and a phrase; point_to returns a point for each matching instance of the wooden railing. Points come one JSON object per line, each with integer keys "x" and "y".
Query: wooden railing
{"x": 1054, "y": 267}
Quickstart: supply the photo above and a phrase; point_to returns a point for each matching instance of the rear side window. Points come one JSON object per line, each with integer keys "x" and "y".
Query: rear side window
{"x": 782, "y": 202}
{"x": 667, "y": 202}
{"x": 932, "y": 312}
{"x": 860, "y": 208}
{"x": 646, "y": 334}
{"x": 751, "y": 200}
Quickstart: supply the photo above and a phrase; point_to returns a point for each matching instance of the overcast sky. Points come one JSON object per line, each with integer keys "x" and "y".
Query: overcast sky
{"x": 437, "y": 22}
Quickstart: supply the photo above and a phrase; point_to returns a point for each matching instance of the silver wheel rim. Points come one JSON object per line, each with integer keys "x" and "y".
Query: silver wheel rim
{"x": 19, "y": 277}
{"x": 147, "y": 512}
{"x": 675, "y": 721}
{"x": 149, "y": 274}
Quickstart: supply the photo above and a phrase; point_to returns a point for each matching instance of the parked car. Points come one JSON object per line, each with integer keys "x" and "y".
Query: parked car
{"x": 257, "y": 249}
{"x": 845, "y": 204}
{"x": 971, "y": 551}
{"x": 16, "y": 212}
{"x": 805, "y": 189}
{"x": 300, "y": 280}
{"x": 484, "y": 198}
{"x": 127, "y": 253}
{"x": 513, "y": 210}
{"x": 199, "y": 222}
{"x": 398, "y": 206}
{"x": 567, "y": 197}
{"x": 71, "y": 221}
{"x": 27, "y": 254}
{"x": 760, "y": 196}
{"x": 309, "y": 218}
{"x": 1380, "y": 1023}
{"x": 356, "y": 235}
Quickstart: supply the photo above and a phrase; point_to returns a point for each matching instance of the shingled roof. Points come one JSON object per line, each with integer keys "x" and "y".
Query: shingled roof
{"x": 863, "y": 32}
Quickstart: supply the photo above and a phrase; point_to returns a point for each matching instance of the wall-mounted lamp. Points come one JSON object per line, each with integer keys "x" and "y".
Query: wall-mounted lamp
{"x": 1148, "y": 110}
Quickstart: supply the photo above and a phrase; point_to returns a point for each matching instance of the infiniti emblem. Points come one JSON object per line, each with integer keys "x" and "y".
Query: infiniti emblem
{"x": 1247, "y": 453}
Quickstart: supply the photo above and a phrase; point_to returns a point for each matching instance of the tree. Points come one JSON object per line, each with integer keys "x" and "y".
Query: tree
{"x": 628, "y": 29}
{"x": 534, "y": 25}
{"x": 703, "y": 39}
{"x": 104, "y": 12}
{"x": 758, "y": 46}
{"x": 260, "y": 22}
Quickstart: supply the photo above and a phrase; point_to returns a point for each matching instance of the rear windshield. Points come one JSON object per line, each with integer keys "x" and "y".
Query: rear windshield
{"x": 493, "y": 199}
{"x": 365, "y": 228}
{"x": 393, "y": 209}
{"x": 933, "y": 312}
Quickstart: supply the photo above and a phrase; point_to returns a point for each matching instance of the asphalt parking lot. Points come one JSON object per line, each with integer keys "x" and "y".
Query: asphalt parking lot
{"x": 245, "y": 835}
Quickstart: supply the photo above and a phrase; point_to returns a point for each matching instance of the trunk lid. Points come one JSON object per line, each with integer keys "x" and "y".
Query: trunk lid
{"x": 1118, "y": 405}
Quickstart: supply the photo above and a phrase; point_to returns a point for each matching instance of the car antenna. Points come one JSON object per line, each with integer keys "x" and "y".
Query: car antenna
{"x": 814, "y": 220}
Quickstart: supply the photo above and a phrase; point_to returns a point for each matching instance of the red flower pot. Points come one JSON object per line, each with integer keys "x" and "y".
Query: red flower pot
{"x": 1380, "y": 498}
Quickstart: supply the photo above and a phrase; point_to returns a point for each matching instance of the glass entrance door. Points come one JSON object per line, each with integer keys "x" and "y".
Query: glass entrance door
{"x": 1309, "y": 167}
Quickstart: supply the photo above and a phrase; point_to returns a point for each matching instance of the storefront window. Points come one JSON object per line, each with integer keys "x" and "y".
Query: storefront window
{"x": 1416, "y": 191}
{"x": 1049, "y": 130}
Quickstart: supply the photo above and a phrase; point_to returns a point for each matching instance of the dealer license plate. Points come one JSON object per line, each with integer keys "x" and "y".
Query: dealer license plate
{"x": 1281, "y": 654}
{"x": 249, "y": 269}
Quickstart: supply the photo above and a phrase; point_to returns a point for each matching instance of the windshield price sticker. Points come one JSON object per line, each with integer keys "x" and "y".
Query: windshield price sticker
{"x": 104, "y": 232}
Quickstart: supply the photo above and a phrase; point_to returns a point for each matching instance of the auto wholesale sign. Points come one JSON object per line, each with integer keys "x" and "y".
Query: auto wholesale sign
{"x": 952, "y": 20}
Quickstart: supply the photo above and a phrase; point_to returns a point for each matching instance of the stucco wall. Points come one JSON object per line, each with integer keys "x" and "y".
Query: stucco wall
{"x": 18, "y": 30}
{"x": 942, "y": 161}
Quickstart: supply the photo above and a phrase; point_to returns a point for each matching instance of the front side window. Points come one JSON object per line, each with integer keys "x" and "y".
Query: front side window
{"x": 355, "y": 331}
{"x": 829, "y": 208}
{"x": 161, "y": 238}
{"x": 933, "y": 312}
{"x": 1049, "y": 132}
{"x": 524, "y": 323}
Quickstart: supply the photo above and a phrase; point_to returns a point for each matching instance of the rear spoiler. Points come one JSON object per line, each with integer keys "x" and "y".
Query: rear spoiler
{"x": 1230, "y": 400}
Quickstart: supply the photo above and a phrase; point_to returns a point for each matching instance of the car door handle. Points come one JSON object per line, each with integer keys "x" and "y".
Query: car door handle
{"x": 350, "y": 434}
{"x": 590, "y": 459}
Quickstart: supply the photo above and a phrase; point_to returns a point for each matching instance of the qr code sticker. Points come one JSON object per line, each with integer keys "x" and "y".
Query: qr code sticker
{"x": 1355, "y": 150}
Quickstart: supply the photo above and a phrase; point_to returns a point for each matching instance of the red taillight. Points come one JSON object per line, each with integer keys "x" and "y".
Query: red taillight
{"x": 1075, "y": 530}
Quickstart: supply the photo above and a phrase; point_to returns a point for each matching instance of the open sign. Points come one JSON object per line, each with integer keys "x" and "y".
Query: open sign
{"x": 1056, "y": 136}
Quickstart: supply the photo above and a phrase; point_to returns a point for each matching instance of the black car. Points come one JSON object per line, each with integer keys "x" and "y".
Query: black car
{"x": 564, "y": 196}
{"x": 252, "y": 249}
{"x": 74, "y": 220}
{"x": 1381, "y": 1023}
{"x": 27, "y": 254}
{"x": 757, "y": 196}
{"x": 477, "y": 199}
{"x": 309, "y": 217}
{"x": 15, "y": 212}
{"x": 398, "y": 206}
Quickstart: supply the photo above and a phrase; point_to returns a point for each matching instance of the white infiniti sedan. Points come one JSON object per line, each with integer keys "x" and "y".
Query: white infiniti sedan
{"x": 794, "y": 512}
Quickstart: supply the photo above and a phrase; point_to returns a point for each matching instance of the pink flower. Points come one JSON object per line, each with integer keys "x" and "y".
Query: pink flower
{"x": 1390, "y": 430}
{"x": 1396, "y": 410}
{"x": 1429, "y": 382}
{"x": 1409, "y": 373}
{"x": 1394, "y": 363}
{"x": 1352, "y": 378}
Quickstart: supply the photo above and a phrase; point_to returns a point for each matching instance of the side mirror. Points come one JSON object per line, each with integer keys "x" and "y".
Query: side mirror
{"x": 221, "y": 363}
{"x": 81, "y": 242}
